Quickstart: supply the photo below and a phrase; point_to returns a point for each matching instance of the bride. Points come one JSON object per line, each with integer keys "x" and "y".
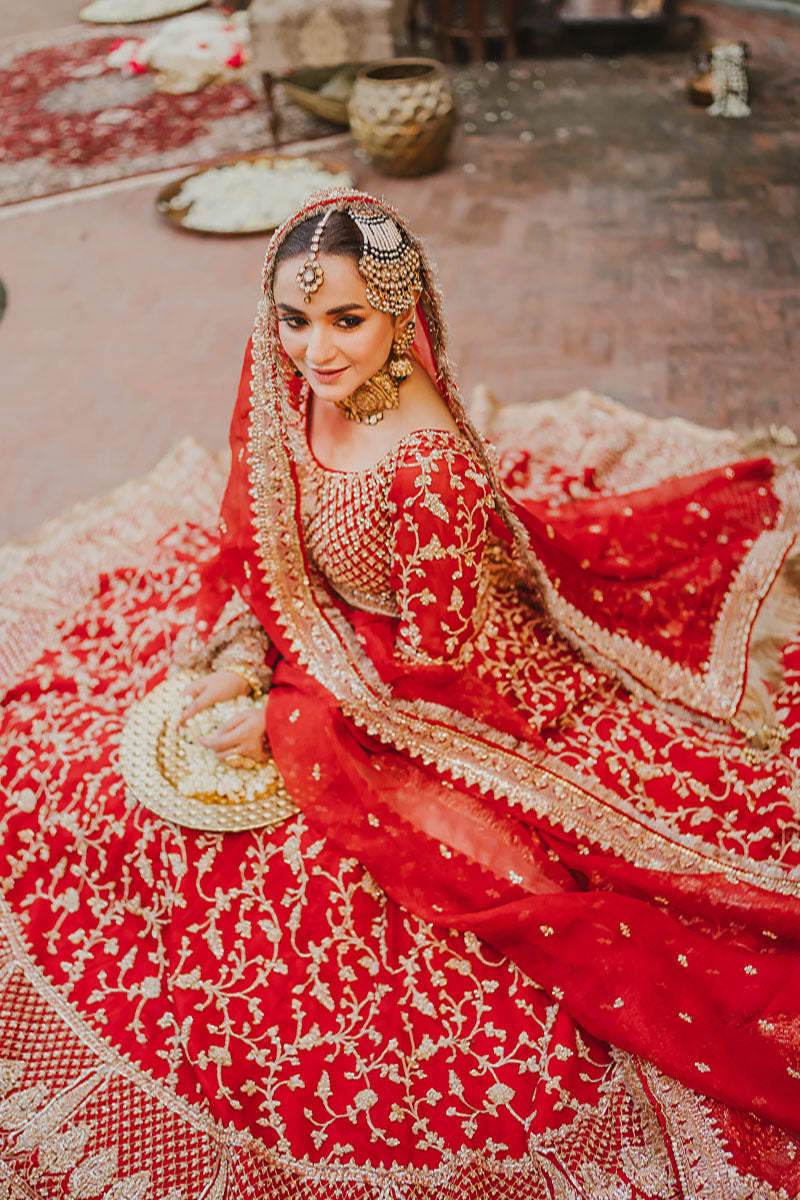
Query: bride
{"x": 507, "y": 755}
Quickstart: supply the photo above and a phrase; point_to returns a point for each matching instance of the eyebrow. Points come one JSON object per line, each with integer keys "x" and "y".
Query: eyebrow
{"x": 331, "y": 312}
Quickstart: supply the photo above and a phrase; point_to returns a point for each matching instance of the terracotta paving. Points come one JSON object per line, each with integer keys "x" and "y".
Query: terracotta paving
{"x": 605, "y": 234}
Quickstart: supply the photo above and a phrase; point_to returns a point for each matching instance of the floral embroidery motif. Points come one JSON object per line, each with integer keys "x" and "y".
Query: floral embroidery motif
{"x": 368, "y": 533}
{"x": 287, "y": 993}
{"x": 260, "y": 960}
{"x": 439, "y": 501}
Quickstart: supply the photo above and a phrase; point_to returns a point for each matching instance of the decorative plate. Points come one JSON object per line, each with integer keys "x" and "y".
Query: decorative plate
{"x": 169, "y": 772}
{"x": 131, "y": 12}
{"x": 250, "y": 194}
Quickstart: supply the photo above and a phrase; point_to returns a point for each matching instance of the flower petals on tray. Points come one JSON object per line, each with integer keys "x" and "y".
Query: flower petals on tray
{"x": 249, "y": 196}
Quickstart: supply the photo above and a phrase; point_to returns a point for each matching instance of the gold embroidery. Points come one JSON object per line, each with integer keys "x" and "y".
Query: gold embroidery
{"x": 156, "y": 900}
{"x": 323, "y": 640}
{"x": 202, "y": 1164}
{"x": 61, "y": 1151}
{"x": 93, "y": 1175}
{"x": 239, "y": 645}
{"x": 445, "y": 482}
{"x": 698, "y": 1147}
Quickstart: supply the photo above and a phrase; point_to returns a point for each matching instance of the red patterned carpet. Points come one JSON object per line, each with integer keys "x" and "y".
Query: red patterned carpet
{"x": 68, "y": 120}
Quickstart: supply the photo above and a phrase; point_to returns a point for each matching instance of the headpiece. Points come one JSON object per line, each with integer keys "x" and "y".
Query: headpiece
{"x": 388, "y": 265}
{"x": 390, "y": 268}
{"x": 310, "y": 277}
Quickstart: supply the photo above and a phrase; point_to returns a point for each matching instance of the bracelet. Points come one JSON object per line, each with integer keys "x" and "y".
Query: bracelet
{"x": 250, "y": 678}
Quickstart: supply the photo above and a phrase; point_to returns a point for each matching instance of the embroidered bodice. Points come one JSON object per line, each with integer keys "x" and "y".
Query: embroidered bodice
{"x": 415, "y": 537}
{"x": 348, "y": 531}
{"x": 405, "y": 537}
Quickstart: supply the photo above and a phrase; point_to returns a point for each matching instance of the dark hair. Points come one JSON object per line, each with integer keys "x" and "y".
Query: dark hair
{"x": 340, "y": 236}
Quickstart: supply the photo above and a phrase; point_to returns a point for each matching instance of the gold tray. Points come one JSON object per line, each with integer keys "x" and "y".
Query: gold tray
{"x": 171, "y": 774}
{"x": 176, "y": 216}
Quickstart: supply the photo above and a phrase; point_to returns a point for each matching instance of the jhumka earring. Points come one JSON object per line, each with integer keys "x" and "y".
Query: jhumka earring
{"x": 400, "y": 365}
{"x": 390, "y": 268}
{"x": 310, "y": 277}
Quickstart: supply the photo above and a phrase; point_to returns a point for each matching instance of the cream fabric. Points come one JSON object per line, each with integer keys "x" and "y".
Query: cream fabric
{"x": 287, "y": 34}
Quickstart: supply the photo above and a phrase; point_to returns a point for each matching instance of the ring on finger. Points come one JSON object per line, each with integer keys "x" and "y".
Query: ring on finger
{"x": 243, "y": 761}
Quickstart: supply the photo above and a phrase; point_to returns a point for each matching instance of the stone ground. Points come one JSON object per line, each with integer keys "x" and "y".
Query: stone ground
{"x": 591, "y": 228}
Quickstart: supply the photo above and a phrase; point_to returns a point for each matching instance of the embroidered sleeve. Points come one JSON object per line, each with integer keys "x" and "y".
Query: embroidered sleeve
{"x": 439, "y": 502}
{"x": 239, "y": 644}
{"x": 246, "y": 654}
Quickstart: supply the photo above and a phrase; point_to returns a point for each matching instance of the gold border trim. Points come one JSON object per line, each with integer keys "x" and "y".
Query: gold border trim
{"x": 253, "y": 1160}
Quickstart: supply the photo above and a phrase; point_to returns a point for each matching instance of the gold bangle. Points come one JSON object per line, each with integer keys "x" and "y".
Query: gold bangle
{"x": 250, "y": 678}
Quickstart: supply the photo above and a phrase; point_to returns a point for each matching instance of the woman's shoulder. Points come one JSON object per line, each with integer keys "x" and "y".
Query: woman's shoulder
{"x": 428, "y": 445}
{"x": 421, "y": 429}
{"x": 434, "y": 461}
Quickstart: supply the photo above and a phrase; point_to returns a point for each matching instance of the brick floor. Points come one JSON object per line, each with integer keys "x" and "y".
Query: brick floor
{"x": 606, "y": 233}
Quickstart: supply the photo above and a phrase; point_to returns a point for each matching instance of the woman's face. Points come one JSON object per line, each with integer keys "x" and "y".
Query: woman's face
{"x": 336, "y": 340}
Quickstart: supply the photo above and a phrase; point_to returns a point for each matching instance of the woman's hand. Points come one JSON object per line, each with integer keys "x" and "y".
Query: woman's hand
{"x": 242, "y": 737}
{"x": 211, "y": 689}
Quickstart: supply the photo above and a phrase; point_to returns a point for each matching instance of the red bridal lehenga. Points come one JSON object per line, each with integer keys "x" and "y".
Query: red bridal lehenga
{"x": 532, "y": 928}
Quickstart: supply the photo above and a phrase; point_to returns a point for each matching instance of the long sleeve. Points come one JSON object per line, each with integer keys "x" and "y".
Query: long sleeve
{"x": 240, "y": 644}
{"x": 439, "y": 503}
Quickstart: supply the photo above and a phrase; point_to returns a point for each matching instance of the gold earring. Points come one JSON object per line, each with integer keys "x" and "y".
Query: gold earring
{"x": 377, "y": 395}
{"x": 400, "y": 365}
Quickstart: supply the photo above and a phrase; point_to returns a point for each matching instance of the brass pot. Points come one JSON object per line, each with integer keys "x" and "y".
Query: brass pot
{"x": 402, "y": 115}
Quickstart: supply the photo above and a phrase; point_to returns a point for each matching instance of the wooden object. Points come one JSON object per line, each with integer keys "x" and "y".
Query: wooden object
{"x": 468, "y": 21}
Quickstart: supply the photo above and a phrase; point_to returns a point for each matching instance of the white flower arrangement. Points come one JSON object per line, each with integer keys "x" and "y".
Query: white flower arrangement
{"x": 249, "y": 196}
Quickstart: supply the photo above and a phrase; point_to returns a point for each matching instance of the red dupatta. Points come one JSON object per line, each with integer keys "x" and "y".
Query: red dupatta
{"x": 393, "y": 780}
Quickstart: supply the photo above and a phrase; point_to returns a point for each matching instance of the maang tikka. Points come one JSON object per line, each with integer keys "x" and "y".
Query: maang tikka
{"x": 388, "y": 265}
{"x": 310, "y": 277}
